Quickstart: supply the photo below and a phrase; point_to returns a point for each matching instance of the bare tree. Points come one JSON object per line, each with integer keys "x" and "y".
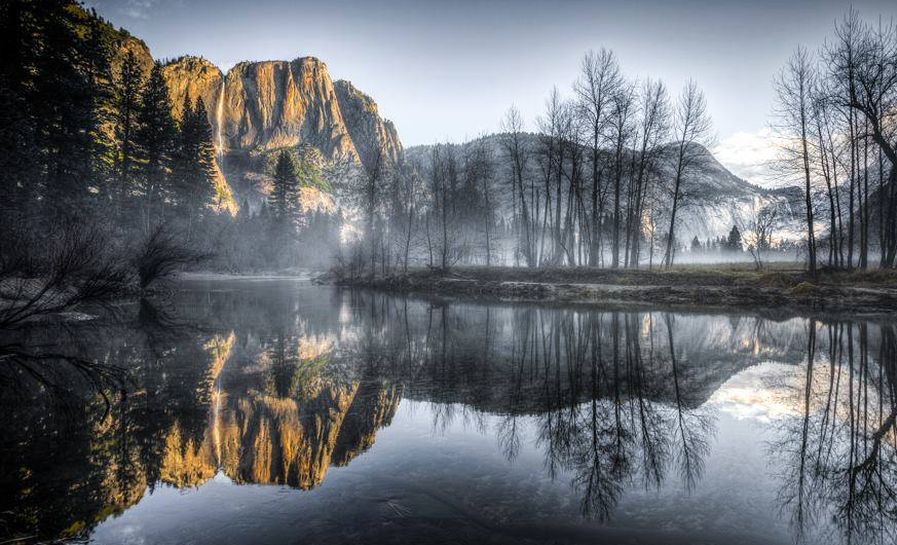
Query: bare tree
{"x": 759, "y": 231}
{"x": 828, "y": 152}
{"x": 77, "y": 270}
{"x": 375, "y": 170}
{"x": 653, "y": 130}
{"x": 479, "y": 175}
{"x": 692, "y": 128}
{"x": 551, "y": 156}
{"x": 598, "y": 83}
{"x": 621, "y": 132}
{"x": 872, "y": 95}
{"x": 161, "y": 255}
{"x": 794, "y": 85}
{"x": 407, "y": 196}
{"x": 517, "y": 155}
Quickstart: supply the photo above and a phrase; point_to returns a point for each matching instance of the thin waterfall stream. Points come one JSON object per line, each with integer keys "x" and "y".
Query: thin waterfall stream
{"x": 219, "y": 123}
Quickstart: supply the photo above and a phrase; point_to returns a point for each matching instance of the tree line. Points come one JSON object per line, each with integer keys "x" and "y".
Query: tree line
{"x": 605, "y": 179}
{"x": 602, "y": 183}
{"x": 838, "y": 134}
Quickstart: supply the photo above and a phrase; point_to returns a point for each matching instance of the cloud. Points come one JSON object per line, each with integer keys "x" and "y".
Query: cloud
{"x": 750, "y": 155}
{"x": 133, "y": 9}
{"x": 139, "y": 9}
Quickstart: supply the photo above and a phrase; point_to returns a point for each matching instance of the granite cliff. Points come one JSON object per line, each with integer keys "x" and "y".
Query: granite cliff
{"x": 256, "y": 108}
{"x": 260, "y": 106}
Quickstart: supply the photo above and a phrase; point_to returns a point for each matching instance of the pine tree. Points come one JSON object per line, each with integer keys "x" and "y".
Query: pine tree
{"x": 695, "y": 244}
{"x": 128, "y": 91}
{"x": 284, "y": 210}
{"x": 18, "y": 173}
{"x": 204, "y": 190}
{"x": 155, "y": 147}
{"x": 53, "y": 62}
{"x": 285, "y": 194}
{"x": 194, "y": 172}
{"x": 66, "y": 99}
{"x": 734, "y": 241}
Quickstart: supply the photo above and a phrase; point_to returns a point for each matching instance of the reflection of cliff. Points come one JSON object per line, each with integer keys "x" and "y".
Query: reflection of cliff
{"x": 373, "y": 408}
{"x": 286, "y": 442}
{"x": 182, "y": 425}
{"x": 285, "y": 423}
{"x": 270, "y": 440}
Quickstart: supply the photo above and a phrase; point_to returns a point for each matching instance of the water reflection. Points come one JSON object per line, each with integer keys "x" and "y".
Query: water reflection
{"x": 839, "y": 454}
{"x": 273, "y": 385}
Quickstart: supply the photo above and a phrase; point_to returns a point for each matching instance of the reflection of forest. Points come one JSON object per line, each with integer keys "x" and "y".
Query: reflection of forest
{"x": 265, "y": 391}
{"x": 840, "y": 452}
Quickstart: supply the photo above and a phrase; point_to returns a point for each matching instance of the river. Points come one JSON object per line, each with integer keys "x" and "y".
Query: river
{"x": 278, "y": 411}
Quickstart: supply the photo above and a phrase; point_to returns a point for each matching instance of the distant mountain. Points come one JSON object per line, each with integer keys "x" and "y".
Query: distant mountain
{"x": 715, "y": 201}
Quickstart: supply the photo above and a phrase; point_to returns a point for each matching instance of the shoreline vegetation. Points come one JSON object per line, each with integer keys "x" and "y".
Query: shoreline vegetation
{"x": 784, "y": 288}
{"x": 80, "y": 270}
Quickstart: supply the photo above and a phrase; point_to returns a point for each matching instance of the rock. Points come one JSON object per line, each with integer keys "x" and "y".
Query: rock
{"x": 194, "y": 77}
{"x": 369, "y": 132}
{"x": 274, "y": 104}
{"x": 260, "y": 107}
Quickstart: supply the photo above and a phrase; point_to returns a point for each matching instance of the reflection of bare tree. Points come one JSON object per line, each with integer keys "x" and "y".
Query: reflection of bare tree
{"x": 612, "y": 398}
{"x": 633, "y": 426}
{"x": 692, "y": 427}
{"x": 841, "y": 454}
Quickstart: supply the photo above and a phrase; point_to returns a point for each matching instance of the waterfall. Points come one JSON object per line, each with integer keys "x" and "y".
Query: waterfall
{"x": 216, "y": 414}
{"x": 219, "y": 123}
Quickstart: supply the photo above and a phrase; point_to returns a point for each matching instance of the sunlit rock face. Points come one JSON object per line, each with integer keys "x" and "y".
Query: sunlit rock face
{"x": 283, "y": 422}
{"x": 196, "y": 78}
{"x": 274, "y": 104}
{"x": 368, "y": 130}
{"x": 129, "y": 44}
{"x": 258, "y": 108}
{"x": 265, "y": 439}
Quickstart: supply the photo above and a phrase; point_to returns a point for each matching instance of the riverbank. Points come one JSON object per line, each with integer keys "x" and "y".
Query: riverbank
{"x": 869, "y": 292}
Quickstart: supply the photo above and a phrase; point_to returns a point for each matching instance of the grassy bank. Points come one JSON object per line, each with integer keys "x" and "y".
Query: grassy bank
{"x": 873, "y": 292}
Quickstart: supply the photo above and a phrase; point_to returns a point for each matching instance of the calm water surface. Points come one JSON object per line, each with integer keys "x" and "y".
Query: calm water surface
{"x": 281, "y": 412}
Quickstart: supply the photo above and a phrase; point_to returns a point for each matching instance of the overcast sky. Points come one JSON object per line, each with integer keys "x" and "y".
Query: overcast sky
{"x": 447, "y": 70}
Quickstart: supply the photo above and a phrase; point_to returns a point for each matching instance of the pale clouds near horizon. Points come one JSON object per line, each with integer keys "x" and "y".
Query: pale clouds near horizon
{"x": 750, "y": 155}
